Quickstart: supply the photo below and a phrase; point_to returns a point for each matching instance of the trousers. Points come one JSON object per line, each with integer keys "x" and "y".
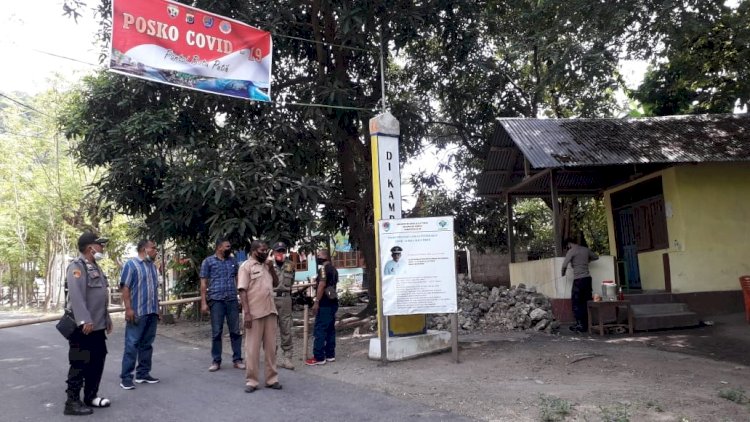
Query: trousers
{"x": 579, "y": 296}
{"x": 86, "y": 356}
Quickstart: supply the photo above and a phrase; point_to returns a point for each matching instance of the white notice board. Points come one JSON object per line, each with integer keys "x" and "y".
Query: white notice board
{"x": 418, "y": 266}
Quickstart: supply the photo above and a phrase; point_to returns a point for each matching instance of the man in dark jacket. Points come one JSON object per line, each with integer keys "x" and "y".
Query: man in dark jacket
{"x": 324, "y": 309}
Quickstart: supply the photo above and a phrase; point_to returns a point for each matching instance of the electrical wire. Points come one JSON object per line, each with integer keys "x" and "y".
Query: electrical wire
{"x": 24, "y": 105}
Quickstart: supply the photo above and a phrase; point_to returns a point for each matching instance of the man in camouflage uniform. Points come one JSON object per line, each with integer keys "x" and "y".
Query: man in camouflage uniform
{"x": 285, "y": 271}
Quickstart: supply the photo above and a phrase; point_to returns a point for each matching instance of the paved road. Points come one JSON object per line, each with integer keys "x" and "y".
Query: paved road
{"x": 33, "y": 367}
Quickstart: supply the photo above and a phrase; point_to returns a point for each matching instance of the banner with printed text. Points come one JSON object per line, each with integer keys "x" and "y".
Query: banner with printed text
{"x": 179, "y": 45}
{"x": 418, "y": 265}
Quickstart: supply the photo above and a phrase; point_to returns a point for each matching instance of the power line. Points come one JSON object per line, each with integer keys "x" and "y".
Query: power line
{"x": 24, "y": 105}
{"x": 22, "y": 135}
{"x": 64, "y": 57}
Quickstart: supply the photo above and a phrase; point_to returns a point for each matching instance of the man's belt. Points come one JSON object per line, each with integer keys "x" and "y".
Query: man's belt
{"x": 282, "y": 294}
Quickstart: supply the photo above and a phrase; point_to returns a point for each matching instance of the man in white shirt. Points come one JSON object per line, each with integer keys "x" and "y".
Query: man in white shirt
{"x": 394, "y": 266}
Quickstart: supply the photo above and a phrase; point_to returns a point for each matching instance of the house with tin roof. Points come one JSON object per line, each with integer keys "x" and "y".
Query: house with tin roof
{"x": 677, "y": 197}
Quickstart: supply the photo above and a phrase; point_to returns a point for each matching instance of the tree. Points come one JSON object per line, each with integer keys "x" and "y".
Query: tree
{"x": 46, "y": 202}
{"x": 287, "y": 154}
{"x": 704, "y": 65}
{"x": 452, "y": 68}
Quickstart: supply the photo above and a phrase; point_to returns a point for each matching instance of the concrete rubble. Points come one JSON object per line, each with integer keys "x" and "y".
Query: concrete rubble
{"x": 498, "y": 309}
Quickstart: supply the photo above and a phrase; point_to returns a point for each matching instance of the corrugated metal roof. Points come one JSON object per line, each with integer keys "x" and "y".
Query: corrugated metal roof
{"x": 592, "y": 154}
{"x": 551, "y": 143}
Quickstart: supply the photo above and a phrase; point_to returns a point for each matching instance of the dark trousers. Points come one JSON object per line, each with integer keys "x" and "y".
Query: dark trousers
{"x": 229, "y": 310}
{"x": 139, "y": 340}
{"x": 580, "y": 295}
{"x": 324, "y": 345}
{"x": 86, "y": 356}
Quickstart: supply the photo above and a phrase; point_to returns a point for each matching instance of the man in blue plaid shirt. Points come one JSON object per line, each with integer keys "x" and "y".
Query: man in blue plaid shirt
{"x": 139, "y": 284}
{"x": 219, "y": 295}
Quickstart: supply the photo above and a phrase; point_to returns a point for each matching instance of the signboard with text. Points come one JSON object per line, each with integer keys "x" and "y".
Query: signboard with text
{"x": 179, "y": 45}
{"x": 418, "y": 266}
{"x": 389, "y": 177}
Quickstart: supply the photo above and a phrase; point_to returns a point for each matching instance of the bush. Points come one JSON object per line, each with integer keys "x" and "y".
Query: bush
{"x": 347, "y": 298}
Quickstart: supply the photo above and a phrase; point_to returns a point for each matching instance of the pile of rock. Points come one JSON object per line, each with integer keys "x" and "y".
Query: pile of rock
{"x": 483, "y": 309}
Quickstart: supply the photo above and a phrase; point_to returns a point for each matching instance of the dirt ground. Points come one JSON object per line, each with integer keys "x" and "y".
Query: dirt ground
{"x": 674, "y": 375}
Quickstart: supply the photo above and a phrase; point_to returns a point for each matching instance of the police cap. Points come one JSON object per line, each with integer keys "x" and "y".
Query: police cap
{"x": 279, "y": 246}
{"x": 396, "y": 249}
{"x": 89, "y": 238}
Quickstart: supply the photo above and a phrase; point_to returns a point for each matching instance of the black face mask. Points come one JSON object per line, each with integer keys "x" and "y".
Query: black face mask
{"x": 227, "y": 253}
{"x": 261, "y": 256}
{"x": 321, "y": 260}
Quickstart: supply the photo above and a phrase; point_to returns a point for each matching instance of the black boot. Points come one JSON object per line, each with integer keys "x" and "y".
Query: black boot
{"x": 77, "y": 408}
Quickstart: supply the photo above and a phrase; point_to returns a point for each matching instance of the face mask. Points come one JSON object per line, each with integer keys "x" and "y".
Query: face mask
{"x": 98, "y": 256}
{"x": 321, "y": 260}
{"x": 227, "y": 253}
{"x": 262, "y": 256}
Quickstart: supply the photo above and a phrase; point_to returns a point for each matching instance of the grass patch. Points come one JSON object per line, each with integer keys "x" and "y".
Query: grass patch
{"x": 655, "y": 406}
{"x": 553, "y": 409}
{"x": 736, "y": 395}
{"x": 617, "y": 413}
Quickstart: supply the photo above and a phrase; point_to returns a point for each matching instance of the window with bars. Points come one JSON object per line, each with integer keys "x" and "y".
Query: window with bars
{"x": 353, "y": 259}
{"x": 300, "y": 261}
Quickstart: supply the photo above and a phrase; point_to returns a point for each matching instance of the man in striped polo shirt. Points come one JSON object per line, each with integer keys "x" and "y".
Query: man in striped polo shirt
{"x": 139, "y": 284}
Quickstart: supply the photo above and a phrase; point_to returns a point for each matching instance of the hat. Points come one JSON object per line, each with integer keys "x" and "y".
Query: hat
{"x": 279, "y": 246}
{"x": 396, "y": 249}
{"x": 88, "y": 238}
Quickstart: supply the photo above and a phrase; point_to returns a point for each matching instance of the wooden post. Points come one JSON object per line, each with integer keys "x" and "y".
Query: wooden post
{"x": 555, "y": 214}
{"x": 454, "y": 336}
{"x": 509, "y": 216}
{"x": 304, "y": 333}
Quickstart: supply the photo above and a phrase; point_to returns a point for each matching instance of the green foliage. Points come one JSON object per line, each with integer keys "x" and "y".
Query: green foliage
{"x": 186, "y": 172}
{"x": 653, "y": 404}
{"x": 615, "y": 413}
{"x": 703, "y": 66}
{"x": 46, "y": 202}
{"x": 553, "y": 409}
{"x": 347, "y": 298}
{"x": 736, "y": 395}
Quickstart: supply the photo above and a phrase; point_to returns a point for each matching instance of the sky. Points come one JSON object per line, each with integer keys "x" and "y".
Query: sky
{"x": 30, "y": 26}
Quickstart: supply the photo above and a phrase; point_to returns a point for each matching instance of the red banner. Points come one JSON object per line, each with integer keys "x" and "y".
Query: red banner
{"x": 172, "y": 43}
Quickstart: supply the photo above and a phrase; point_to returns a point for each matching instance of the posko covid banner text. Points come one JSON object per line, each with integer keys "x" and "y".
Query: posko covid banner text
{"x": 172, "y": 43}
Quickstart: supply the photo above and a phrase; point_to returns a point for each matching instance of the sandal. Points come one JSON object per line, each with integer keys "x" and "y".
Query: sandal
{"x": 99, "y": 402}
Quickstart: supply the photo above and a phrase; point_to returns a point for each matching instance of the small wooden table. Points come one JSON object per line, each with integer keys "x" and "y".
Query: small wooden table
{"x": 596, "y": 308}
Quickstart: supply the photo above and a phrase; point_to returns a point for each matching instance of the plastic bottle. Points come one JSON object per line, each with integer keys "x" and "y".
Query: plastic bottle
{"x": 620, "y": 294}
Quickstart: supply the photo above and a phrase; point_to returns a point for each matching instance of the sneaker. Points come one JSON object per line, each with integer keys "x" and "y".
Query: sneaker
{"x": 239, "y": 364}
{"x": 147, "y": 379}
{"x": 330, "y": 359}
{"x": 312, "y": 362}
{"x": 127, "y": 384}
{"x": 214, "y": 367}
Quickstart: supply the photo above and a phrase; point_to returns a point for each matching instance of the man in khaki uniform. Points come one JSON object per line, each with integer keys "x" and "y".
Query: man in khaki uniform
{"x": 256, "y": 280}
{"x": 284, "y": 268}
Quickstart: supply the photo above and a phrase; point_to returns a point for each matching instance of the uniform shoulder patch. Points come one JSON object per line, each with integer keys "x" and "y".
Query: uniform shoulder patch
{"x": 77, "y": 273}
